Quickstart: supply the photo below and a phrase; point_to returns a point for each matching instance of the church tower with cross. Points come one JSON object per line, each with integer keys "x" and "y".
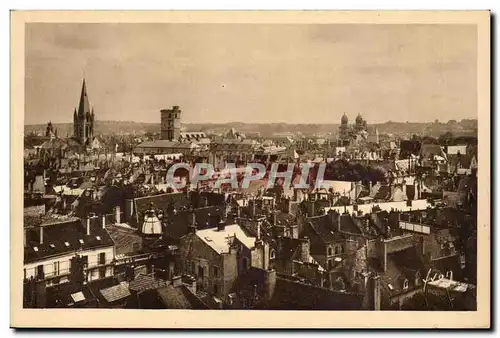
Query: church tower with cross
{"x": 83, "y": 119}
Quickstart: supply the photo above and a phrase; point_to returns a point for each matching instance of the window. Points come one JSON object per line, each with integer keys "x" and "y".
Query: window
{"x": 330, "y": 251}
{"x": 330, "y": 264}
{"x": 273, "y": 254}
{"x": 102, "y": 258}
{"x": 245, "y": 263}
{"x": 85, "y": 261}
{"x": 200, "y": 271}
{"x": 193, "y": 268}
{"x": 216, "y": 289}
{"x": 215, "y": 270}
{"x": 102, "y": 272}
{"x": 405, "y": 284}
{"x": 39, "y": 272}
{"x": 56, "y": 268}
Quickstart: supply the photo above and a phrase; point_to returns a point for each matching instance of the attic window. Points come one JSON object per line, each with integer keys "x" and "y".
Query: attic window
{"x": 98, "y": 238}
{"x": 52, "y": 246}
{"x": 35, "y": 248}
{"x": 66, "y": 243}
{"x": 81, "y": 241}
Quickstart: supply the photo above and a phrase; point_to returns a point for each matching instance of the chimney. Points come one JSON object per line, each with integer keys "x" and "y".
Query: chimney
{"x": 221, "y": 226}
{"x": 376, "y": 293}
{"x": 103, "y": 221}
{"x": 312, "y": 209}
{"x": 87, "y": 221}
{"x": 258, "y": 230}
{"x": 253, "y": 208}
{"x": 339, "y": 223}
{"x": 117, "y": 215}
{"x": 176, "y": 281}
{"x": 275, "y": 217}
{"x": 270, "y": 284}
{"x": 193, "y": 218}
{"x": 304, "y": 249}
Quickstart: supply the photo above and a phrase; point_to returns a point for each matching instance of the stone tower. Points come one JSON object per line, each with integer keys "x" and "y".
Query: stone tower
{"x": 83, "y": 119}
{"x": 170, "y": 123}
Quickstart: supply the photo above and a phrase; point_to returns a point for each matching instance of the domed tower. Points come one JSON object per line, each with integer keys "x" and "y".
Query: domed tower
{"x": 152, "y": 224}
{"x": 344, "y": 128}
{"x": 360, "y": 124}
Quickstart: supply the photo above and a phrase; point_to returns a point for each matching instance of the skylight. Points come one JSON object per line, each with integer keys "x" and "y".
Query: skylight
{"x": 98, "y": 238}
{"x": 81, "y": 241}
{"x": 66, "y": 243}
{"x": 35, "y": 248}
{"x": 52, "y": 246}
{"x": 390, "y": 287}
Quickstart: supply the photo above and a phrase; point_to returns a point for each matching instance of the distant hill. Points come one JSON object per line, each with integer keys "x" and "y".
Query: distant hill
{"x": 463, "y": 127}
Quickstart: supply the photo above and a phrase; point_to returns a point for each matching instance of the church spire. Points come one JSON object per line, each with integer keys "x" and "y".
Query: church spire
{"x": 83, "y": 107}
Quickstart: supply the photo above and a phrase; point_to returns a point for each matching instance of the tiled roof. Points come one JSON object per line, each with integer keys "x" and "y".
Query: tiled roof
{"x": 123, "y": 237}
{"x": 323, "y": 227}
{"x": 291, "y": 295}
{"x": 115, "y": 293}
{"x": 174, "y": 297}
{"x": 163, "y": 201}
{"x": 55, "y": 237}
{"x": 177, "y": 224}
{"x": 146, "y": 282}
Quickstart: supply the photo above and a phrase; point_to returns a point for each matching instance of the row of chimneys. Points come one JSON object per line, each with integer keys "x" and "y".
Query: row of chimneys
{"x": 87, "y": 224}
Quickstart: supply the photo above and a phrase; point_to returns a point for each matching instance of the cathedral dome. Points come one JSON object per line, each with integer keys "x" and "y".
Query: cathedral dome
{"x": 344, "y": 119}
{"x": 359, "y": 119}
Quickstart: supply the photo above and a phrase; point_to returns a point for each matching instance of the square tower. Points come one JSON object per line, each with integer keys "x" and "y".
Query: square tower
{"x": 170, "y": 123}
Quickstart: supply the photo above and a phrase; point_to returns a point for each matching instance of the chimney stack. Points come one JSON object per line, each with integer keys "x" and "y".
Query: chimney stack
{"x": 117, "y": 215}
{"x": 87, "y": 220}
{"x": 177, "y": 281}
{"x": 312, "y": 208}
{"x": 103, "y": 220}
{"x": 339, "y": 223}
{"x": 275, "y": 218}
{"x": 304, "y": 249}
{"x": 41, "y": 235}
{"x": 221, "y": 226}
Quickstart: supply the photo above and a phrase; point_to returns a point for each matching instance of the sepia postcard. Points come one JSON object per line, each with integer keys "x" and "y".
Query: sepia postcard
{"x": 250, "y": 169}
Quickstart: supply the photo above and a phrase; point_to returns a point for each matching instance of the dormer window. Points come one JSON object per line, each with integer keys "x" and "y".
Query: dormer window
{"x": 272, "y": 254}
{"x": 405, "y": 284}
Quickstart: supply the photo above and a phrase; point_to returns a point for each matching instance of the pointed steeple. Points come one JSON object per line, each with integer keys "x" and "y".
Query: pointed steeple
{"x": 84, "y": 107}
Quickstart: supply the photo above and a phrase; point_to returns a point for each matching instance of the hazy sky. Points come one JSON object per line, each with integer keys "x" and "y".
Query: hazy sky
{"x": 252, "y": 72}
